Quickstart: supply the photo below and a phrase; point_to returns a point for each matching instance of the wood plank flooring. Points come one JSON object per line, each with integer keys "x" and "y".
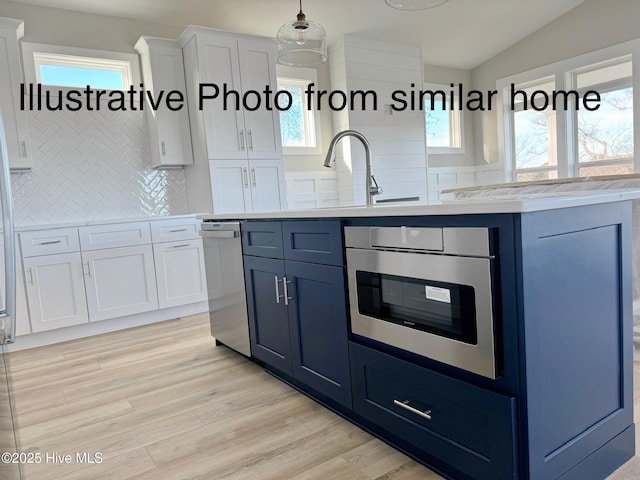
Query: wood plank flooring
{"x": 162, "y": 402}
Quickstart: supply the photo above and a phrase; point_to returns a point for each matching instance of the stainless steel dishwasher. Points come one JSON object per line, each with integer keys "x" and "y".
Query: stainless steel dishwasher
{"x": 225, "y": 285}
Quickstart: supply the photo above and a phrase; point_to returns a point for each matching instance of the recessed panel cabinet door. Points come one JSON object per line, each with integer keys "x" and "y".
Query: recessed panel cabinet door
{"x": 268, "y": 318}
{"x": 224, "y": 127}
{"x": 55, "y": 291}
{"x": 120, "y": 281}
{"x": 257, "y": 70}
{"x": 267, "y": 185}
{"x": 319, "y": 331}
{"x": 230, "y": 186}
{"x": 180, "y": 273}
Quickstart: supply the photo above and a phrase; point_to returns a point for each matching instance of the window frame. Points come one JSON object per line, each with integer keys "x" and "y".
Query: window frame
{"x": 564, "y": 74}
{"x": 301, "y": 76}
{"x": 456, "y": 124}
{"x": 35, "y": 54}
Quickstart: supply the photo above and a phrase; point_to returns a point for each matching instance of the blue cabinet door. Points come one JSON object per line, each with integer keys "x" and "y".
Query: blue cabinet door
{"x": 268, "y": 318}
{"x": 319, "y": 331}
{"x": 262, "y": 239}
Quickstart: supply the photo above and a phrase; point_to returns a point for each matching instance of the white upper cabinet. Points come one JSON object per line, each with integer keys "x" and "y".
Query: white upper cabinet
{"x": 257, "y": 70}
{"x": 163, "y": 72}
{"x": 218, "y": 60}
{"x": 13, "y": 118}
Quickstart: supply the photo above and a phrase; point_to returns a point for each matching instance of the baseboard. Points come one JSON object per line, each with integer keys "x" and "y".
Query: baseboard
{"x": 59, "y": 335}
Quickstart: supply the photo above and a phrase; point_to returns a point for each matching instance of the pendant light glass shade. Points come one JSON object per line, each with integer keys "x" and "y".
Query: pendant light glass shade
{"x": 415, "y": 4}
{"x": 302, "y": 43}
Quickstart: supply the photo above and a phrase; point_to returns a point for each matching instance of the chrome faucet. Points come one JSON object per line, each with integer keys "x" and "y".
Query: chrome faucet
{"x": 371, "y": 184}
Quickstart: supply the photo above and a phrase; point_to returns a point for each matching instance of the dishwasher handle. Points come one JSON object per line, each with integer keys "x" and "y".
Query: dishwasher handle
{"x": 219, "y": 233}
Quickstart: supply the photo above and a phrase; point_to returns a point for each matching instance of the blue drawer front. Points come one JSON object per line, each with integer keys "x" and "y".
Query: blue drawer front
{"x": 471, "y": 430}
{"x": 314, "y": 241}
{"x": 262, "y": 239}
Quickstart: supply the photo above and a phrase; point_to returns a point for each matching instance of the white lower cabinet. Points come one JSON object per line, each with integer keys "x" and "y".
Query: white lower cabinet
{"x": 55, "y": 291}
{"x": 119, "y": 281}
{"x": 180, "y": 273}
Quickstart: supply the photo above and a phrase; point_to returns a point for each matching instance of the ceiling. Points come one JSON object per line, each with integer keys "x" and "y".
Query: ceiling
{"x": 460, "y": 33}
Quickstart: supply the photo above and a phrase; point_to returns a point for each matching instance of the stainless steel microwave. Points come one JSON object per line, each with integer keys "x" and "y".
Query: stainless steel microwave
{"x": 425, "y": 290}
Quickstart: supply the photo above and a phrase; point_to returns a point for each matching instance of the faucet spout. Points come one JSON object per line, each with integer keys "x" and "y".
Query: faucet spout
{"x": 371, "y": 184}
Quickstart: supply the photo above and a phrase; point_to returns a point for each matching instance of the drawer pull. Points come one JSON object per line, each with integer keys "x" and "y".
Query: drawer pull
{"x": 52, "y": 242}
{"x": 178, "y": 230}
{"x": 181, "y": 245}
{"x": 426, "y": 414}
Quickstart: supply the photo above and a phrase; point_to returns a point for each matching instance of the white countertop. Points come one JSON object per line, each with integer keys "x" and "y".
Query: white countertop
{"x": 521, "y": 203}
{"x": 27, "y": 228}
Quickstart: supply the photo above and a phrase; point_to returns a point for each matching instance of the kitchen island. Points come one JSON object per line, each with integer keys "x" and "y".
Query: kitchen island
{"x": 487, "y": 339}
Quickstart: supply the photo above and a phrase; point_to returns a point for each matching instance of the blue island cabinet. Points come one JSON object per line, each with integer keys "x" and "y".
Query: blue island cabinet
{"x": 561, "y": 405}
{"x": 297, "y": 309}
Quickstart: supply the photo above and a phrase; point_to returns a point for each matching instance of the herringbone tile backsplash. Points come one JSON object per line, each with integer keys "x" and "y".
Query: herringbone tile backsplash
{"x": 92, "y": 165}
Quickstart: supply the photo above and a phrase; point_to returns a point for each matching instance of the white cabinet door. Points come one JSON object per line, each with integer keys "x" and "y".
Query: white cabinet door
{"x": 267, "y": 185}
{"x": 55, "y": 291}
{"x": 230, "y": 186}
{"x": 257, "y": 70}
{"x": 120, "y": 281}
{"x": 219, "y": 68}
{"x": 180, "y": 273}
{"x": 163, "y": 72}
{"x": 14, "y": 119}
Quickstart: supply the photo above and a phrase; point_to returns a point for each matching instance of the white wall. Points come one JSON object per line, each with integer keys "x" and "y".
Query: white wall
{"x": 90, "y": 165}
{"x": 591, "y": 26}
{"x": 397, "y": 139}
{"x": 74, "y": 29}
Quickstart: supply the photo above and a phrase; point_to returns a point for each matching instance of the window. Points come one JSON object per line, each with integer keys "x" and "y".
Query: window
{"x": 543, "y": 143}
{"x": 605, "y": 137}
{"x": 297, "y": 124}
{"x": 443, "y": 123}
{"x": 72, "y": 71}
{"x": 534, "y": 149}
{"x": 77, "y": 67}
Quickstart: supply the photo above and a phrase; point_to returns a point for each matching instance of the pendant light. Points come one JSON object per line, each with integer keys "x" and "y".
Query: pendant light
{"x": 413, "y": 5}
{"x": 302, "y": 43}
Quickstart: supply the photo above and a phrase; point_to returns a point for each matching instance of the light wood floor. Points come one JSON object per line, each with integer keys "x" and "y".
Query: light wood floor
{"x": 162, "y": 402}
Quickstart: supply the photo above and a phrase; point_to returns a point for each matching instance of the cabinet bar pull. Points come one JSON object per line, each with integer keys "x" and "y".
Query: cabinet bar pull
{"x": 241, "y": 139}
{"x": 87, "y": 272}
{"x": 52, "y": 242}
{"x": 286, "y": 292}
{"x": 426, "y": 414}
{"x": 250, "y": 140}
{"x": 164, "y": 150}
{"x": 253, "y": 176}
{"x": 246, "y": 178}
{"x": 24, "y": 148}
{"x": 277, "y": 289}
{"x": 178, "y": 230}
{"x": 181, "y": 245}
{"x": 31, "y": 276}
